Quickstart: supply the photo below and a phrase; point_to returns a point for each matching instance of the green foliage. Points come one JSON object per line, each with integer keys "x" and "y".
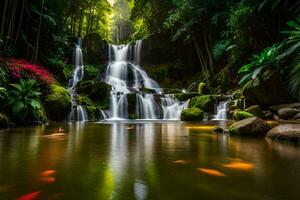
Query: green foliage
{"x": 192, "y": 114}
{"x": 3, "y": 93}
{"x": 203, "y": 89}
{"x": 266, "y": 60}
{"x": 24, "y": 101}
{"x": 4, "y": 121}
{"x": 91, "y": 71}
{"x": 60, "y": 68}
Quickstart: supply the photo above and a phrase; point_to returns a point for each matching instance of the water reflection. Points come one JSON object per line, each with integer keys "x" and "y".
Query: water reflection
{"x": 144, "y": 161}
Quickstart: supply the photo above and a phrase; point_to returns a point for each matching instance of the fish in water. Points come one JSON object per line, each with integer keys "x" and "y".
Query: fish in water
{"x": 48, "y": 172}
{"x": 239, "y": 166}
{"x": 48, "y": 179}
{"x": 30, "y": 196}
{"x": 180, "y": 162}
{"x": 212, "y": 172}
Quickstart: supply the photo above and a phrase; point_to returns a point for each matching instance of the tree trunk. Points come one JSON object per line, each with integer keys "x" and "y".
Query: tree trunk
{"x": 20, "y": 22}
{"x": 3, "y": 19}
{"x": 39, "y": 33}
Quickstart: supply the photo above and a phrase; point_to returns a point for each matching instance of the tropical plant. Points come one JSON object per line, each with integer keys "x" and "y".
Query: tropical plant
{"x": 24, "y": 101}
{"x": 266, "y": 60}
{"x": 3, "y": 93}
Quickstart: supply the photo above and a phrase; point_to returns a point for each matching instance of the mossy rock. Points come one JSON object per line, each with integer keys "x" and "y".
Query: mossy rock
{"x": 4, "y": 123}
{"x": 192, "y": 114}
{"x": 148, "y": 91}
{"x": 256, "y": 111}
{"x": 252, "y": 126}
{"x": 98, "y": 92}
{"x": 240, "y": 115}
{"x": 185, "y": 96}
{"x": 58, "y": 103}
{"x": 93, "y": 112}
{"x": 203, "y": 89}
{"x": 84, "y": 101}
{"x": 238, "y": 94}
{"x": 233, "y": 107}
{"x": 204, "y": 102}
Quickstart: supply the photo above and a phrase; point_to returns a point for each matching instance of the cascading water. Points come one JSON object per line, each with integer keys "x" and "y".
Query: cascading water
{"x": 78, "y": 112}
{"x": 126, "y": 76}
{"x": 222, "y": 110}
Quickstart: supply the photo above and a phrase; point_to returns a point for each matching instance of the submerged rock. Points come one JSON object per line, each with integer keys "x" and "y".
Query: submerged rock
{"x": 287, "y": 113}
{"x": 204, "y": 102}
{"x": 240, "y": 115}
{"x": 252, "y": 126}
{"x": 297, "y": 116}
{"x": 256, "y": 111}
{"x": 289, "y": 132}
{"x": 192, "y": 114}
{"x": 3, "y": 121}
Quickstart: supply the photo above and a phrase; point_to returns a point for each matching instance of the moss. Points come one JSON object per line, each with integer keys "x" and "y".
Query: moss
{"x": 185, "y": 96}
{"x": 240, "y": 115}
{"x": 233, "y": 107}
{"x": 192, "y": 114}
{"x": 93, "y": 112}
{"x": 3, "y": 121}
{"x": 98, "y": 92}
{"x": 204, "y": 102}
{"x": 58, "y": 103}
{"x": 256, "y": 111}
{"x": 203, "y": 89}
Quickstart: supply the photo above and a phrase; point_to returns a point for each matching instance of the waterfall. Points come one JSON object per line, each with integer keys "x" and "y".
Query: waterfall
{"x": 78, "y": 112}
{"x": 222, "y": 110}
{"x": 126, "y": 76}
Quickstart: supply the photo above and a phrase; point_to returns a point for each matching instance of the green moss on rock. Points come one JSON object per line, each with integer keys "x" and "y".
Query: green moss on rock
{"x": 192, "y": 114}
{"x": 256, "y": 111}
{"x": 58, "y": 103}
{"x": 204, "y": 102}
{"x": 203, "y": 89}
{"x": 240, "y": 115}
{"x": 185, "y": 96}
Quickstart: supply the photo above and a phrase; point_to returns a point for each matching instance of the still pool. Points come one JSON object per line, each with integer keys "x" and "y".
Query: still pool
{"x": 144, "y": 160}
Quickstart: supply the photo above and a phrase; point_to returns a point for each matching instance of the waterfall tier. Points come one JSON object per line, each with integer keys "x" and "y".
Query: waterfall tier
{"x": 126, "y": 76}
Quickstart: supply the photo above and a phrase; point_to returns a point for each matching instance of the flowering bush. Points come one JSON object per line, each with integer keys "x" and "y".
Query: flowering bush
{"x": 19, "y": 68}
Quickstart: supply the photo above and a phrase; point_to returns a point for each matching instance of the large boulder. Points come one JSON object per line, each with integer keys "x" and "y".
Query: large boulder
{"x": 98, "y": 92}
{"x": 204, "y": 102}
{"x": 287, "y": 113}
{"x": 256, "y": 111}
{"x": 253, "y": 126}
{"x": 266, "y": 90}
{"x": 289, "y": 132}
{"x": 3, "y": 121}
{"x": 58, "y": 103}
{"x": 240, "y": 115}
{"x": 192, "y": 114}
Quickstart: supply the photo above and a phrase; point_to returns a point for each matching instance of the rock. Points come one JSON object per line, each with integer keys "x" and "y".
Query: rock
{"x": 240, "y": 115}
{"x": 266, "y": 90}
{"x": 192, "y": 114}
{"x": 185, "y": 96}
{"x": 203, "y": 89}
{"x": 218, "y": 130}
{"x": 287, "y": 113}
{"x": 4, "y": 123}
{"x": 98, "y": 92}
{"x": 204, "y": 102}
{"x": 269, "y": 115}
{"x": 280, "y": 106}
{"x": 256, "y": 111}
{"x": 252, "y": 126}
{"x": 297, "y": 116}
{"x": 289, "y": 132}
{"x": 233, "y": 107}
{"x": 58, "y": 103}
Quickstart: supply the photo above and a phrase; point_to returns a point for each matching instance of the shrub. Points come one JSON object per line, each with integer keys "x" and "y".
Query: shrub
{"x": 19, "y": 69}
{"x": 24, "y": 101}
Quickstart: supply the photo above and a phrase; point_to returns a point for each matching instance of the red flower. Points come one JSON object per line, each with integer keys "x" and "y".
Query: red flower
{"x": 23, "y": 69}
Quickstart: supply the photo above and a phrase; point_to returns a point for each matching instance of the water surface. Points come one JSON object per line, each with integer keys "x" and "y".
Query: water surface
{"x": 144, "y": 160}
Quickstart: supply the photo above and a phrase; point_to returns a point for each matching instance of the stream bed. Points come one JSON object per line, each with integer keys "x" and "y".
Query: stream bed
{"x": 157, "y": 160}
